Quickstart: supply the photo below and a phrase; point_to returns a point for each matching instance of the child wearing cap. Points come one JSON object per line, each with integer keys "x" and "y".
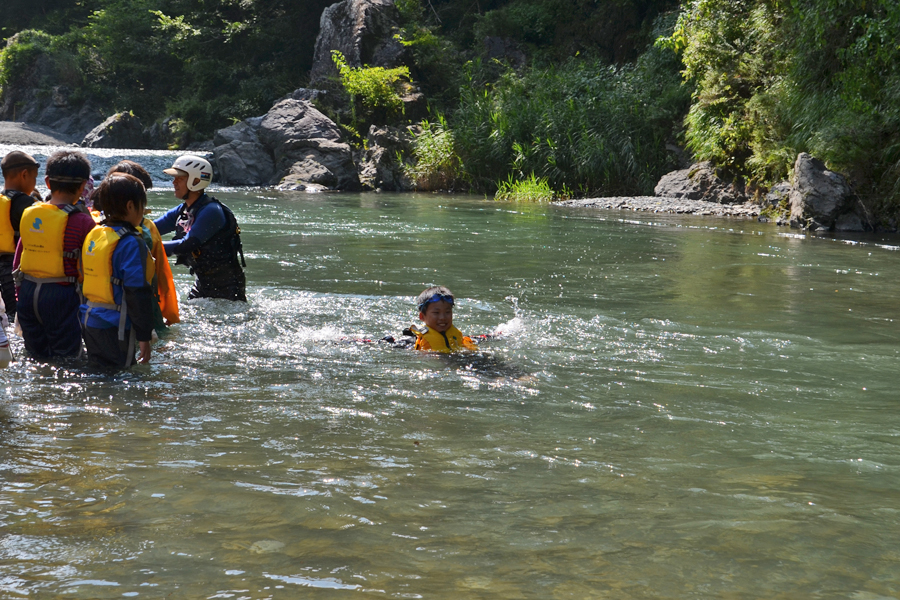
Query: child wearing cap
{"x": 438, "y": 333}
{"x": 46, "y": 260}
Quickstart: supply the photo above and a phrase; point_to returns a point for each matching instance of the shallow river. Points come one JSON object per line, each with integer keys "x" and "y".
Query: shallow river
{"x": 675, "y": 408}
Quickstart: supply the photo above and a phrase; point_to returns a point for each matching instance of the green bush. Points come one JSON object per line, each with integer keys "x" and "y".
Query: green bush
{"x": 376, "y": 87}
{"x": 530, "y": 189}
{"x": 585, "y": 126}
{"x": 17, "y": 58}
{"x": 436, "y": 165}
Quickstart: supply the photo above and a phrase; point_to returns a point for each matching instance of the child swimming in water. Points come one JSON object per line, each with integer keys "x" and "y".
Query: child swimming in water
{"x": 438, "y": 333}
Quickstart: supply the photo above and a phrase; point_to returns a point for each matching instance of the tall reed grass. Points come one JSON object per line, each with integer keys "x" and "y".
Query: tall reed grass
{"x": 585, "y": 126}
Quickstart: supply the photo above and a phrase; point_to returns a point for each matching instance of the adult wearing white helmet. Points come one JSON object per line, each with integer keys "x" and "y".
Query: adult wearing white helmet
{"x": 207, "y": 237}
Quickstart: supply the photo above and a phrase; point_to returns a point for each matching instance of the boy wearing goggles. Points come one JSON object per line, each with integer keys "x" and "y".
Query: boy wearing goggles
{"x": 438, "y": 334}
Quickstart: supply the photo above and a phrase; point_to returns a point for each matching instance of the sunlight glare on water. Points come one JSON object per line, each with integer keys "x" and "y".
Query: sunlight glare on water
{"x": 673, "y": 408}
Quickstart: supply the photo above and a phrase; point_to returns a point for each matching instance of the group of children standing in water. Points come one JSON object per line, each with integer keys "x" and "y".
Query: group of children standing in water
{"x": 87, "y": 266}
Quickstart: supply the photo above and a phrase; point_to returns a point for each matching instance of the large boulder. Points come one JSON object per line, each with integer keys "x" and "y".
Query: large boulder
{"x": 241, "y": 159}
{"x": 700, "y": 181}
{"x": 819, "y": 197}
{"x": 380, "y": 167}
{"x": 290, "y": 120}
{"x": 363, "y": 31}
{"x": 122, "y": 130}
{"x": 293, "y": 142}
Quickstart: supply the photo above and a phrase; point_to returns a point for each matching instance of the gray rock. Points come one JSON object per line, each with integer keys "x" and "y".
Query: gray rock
{"x": 323, "y": 162}
{"x": 122, "y": 130}
{"x": 294, "y": 183}
{"x": 243, "y": 163}
{"x": 818, "y": 196}
{"x": 306, "y": 94}
{"x": 363, "y": 31}
{"x": 291, "y": 120}
{"x": 381, "y": 165}
{"x": 657, "y": 204}
{"x": 778, "y": 193}
{"x": 700, "y": 182}
{"x": 849, "y": 222}
{"x": 504, "y": 50}
{"x": 245, "y": 131}
{"x": 293, "y": 144}
{"x": 415, "y": 105}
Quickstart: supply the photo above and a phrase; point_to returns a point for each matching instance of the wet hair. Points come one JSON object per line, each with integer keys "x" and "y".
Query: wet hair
{"x": 115, "y": 192}
{"x": 67, "y": 170}
{"x": 132, "y": 168}
{"x": 423, "y": 299}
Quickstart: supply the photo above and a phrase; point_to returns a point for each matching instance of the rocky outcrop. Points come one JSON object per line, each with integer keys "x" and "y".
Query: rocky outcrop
{"x": 293, "y": 144}
{"x": 700, "y": 181}
{"x": 821, "y": 199}
{"x": 39, "y": 95}
{"x": 241, "y": 159}
{"x": 363, "y": 31}
{"x": 379, "y": 166}
{"x": 122, "y": 130}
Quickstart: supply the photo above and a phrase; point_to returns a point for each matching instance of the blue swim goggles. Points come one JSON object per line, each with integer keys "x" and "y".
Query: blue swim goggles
{"x": 436, "y": 298}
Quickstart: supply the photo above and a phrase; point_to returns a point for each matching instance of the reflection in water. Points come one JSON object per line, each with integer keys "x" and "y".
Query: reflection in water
{"x": 674, "y": 408}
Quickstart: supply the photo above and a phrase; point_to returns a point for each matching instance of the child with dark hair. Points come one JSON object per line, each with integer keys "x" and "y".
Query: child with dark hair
{"x": 438, "y": 334}
{"x": 165, "y": 294}
{"x": 118, "y": 269}
{"x": 19, "y": 179}
{"x": 46, "y": 260}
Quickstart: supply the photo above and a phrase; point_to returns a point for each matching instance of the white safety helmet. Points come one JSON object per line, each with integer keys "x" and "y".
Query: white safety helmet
{"x": 198, "y": 170}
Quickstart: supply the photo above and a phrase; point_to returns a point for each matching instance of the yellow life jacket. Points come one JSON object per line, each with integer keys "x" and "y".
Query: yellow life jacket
{"x": 7, "y": 234}
{"x": 449, "y": 341}
{"x": 42, "y": 232}
{"x": 96, "y": 258}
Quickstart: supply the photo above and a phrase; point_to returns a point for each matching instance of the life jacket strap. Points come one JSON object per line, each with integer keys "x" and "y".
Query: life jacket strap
{"x": 122, "y": 309}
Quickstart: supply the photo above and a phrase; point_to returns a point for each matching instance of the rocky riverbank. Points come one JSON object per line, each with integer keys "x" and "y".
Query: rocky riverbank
{"x": 681, "y": 206}
{"x": 15, "y": 133}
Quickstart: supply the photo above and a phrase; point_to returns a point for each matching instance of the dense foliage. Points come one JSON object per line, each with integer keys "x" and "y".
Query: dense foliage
{"x": 568, "y": 93}
{"x": 583, "y": 126}
{"x": 207, "y": 62}
{"x": 777, "y": 77}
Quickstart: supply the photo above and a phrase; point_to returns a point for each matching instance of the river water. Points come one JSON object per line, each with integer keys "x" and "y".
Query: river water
{"x": 676, "y": 407}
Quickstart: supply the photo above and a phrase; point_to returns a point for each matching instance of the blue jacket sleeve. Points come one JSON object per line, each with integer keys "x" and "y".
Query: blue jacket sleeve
{"x": 166, "y": 223}
{"x": 206, "y": 224}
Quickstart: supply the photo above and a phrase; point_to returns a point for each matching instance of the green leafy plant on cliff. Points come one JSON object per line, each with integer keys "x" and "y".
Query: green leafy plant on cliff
{"x": 376, "y": 87}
